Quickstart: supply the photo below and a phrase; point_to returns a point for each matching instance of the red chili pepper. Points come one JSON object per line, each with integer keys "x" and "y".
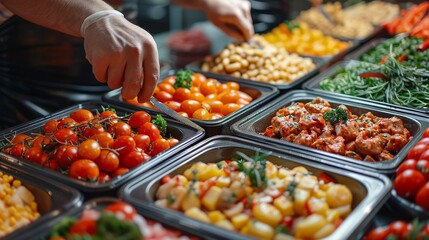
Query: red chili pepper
{"x": 373, "y": 75}
{"x": 402, "y": 58}
{"x": 288, "y": 221}
{"x": 423, "y": 46}
{"x": 326, "y": 178}
{"x": 383, "y": 60}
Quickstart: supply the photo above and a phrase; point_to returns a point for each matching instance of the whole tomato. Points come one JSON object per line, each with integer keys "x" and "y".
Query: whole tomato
{"x": 66, "y": 135}
{"x": 142, "y": 141}
{"x": 120, "y": 129}
{"x": 423, "y": 166}
{"x": 399, "y": 229}
{"x": 408, "y": 183}
{"x": 417, "y": 151}
{"x": 133, "y": 158}
{"x": 159, "y": 145}
{"x": 151, "y": 130}
{"x": 425, "y": 155}
{"x": 84, "y": 169}
{"x": 84, "y": 227}
{"x": 82, "y": 115}
{"x": 379, "y": 233}
{"x": 124, "y": 144}
{"x": 105, "y": 139}
{"x": 407, "y": 164}
{"x": 34, "y": 154}
{"x": 422, "y": 198}
{"x": 107, "y": 161}
{"x": 139, "y": 118}
{"x": 65, "y": 155}
{"x": 89, "y": 149}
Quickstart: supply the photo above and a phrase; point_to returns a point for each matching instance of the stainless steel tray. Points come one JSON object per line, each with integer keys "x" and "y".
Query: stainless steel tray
{"x": 251, "y": 126}
{"x": 53, "y": 199}
{"x": 370, "y": 190}
{"x": 261, "y": 93}
{"x": 314, "y": 85}
{"x": 185, "y": 134}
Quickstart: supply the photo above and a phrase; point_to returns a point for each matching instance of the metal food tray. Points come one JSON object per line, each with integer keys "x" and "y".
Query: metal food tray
{"x": 314, "y": 85}
{"x": 320, "y": 63}
{"x": 53, "y": 199}
{"x": 254, "y": 124}
{"x": 185, "y": 134}
{"x": 261, "y": 93}
{"x": 370, "y": 190}
{"x": 99, "y": 203}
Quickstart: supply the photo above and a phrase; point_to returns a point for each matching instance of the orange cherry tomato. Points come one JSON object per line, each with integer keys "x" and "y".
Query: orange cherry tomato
{"x": 82, "y": 115}
{"x": 170, "y": 80}
{"x": 105, "y": 139}
{"x": 125, "y": 209}
{"x": 197, "y": 79}
{"x": 201, "y": 114}
{"x": 20, "y": 138}
{"x": 214, "y": 116}
{"x": 163, "y": 96}
{"x": 50, "y": 126}
{"x": 233, "y": 85}
{"x": 230, "y": 96}
{"x": 167, "y": 87}
{"x": 107, "y": 161}
{"x": 181, "y": 94}
{"x": 229, "y": 108}
{"x": 197, "y": 96}
{"x": 215, "y": 105}
{"x": 176, "y": 106}
{"x": 190, "y": 106}
{"x": 208, "y": 87}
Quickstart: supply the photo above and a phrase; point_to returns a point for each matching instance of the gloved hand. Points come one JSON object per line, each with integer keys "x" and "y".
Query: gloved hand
{"x": 123, "y": 55}
{"x": 231, "y": 16}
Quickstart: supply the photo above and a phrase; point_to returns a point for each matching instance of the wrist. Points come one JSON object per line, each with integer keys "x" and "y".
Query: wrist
{"x": 97, "y": 16}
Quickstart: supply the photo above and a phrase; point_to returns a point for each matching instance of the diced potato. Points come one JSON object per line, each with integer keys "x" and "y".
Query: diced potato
{"x": 238, "y": 221}
{"x": 338, "y": 195}
{"x": 216, "y": 216}
{"x": 283, "y": 173}
{"x": 259, "y": 229}
{"x": 176, "y": 197}
{"x": 344, "y": 210}
{"x": 277, "y": 183}
{"x": 182, "y": 179}
{"x": 319, "y": 193}
{"x": 318, "y": 206}
{"x": 300, "y": 199}
{"x": 284, "y": 205}
{"x": 192, "y": 172}
{"x": 223, "y": 181}
{"x": 267, "y": 213}
{"x": 237, "y": 209}
{"x": 164, "y": 190}
{"x": 271, "y": 170}
{"x": 161, "y": 203}
{"x": 191, "y": 200}
{"x": 197, "y": 214}
{"x": 210, "y": 171}
{"x": 308, "y": 182}
{"x": 225, "y": 224}
{"x": 307, "y": 227}
{"x": 211, "y": 198}
{"x": 332, "y": 215}
{"x": 282, "y": 236}
{"x": 300, "y": 169}
{"x": 325, "y": 231}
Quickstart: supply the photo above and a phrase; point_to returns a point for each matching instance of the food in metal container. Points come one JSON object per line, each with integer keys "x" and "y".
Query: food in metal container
{"x": 93, "y": 146}
{"x": 299, "y": 38}
{"x": 352, "y": 23}
{"x": 253, "y": 196}
{"x": 117, "y": 220}
{"x": 414, "y": 22}
{"x": 260, "y": 61}
{"x": 400, "y": 230}
{"x": 337, "y": 130}
{"x": 17, "y": 205}
{"x": 195, "y": 96}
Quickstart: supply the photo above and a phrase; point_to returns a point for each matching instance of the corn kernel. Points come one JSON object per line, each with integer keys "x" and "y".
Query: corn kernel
{"x": 16, "y": 183}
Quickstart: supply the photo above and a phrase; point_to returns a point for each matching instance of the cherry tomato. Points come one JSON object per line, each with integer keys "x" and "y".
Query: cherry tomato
{"x": 197, "y": 96}
{"x": 105, "y": 139}
{"x": 423, "y": 233}
{"x": 230, "y": 96}
{"x": 229, "y": 108}
{"x": 165, "y": 179}
{"x": 172, "y": 141}
{"x": 158, "y": 146}
{"x": 120, "y": 129}
{"x": 124, "y": 144}
{"x": 18, "y": 150}
{"x": 379, "y": 233}
{"x": 132, "y": 159}
{"x": 408, "y": 183}
{"x": 84, "y": 227}
{"x": 181, "y": 94}
{"x": 163, "y": 96}
{"x": 126, "y": 210}
{"x": 66, "y": 135}
{"x": 91, "y": 131}
{"x": 84, "y": 169}
{"x": 151, "y": 130}
{"x": 139, "y": 118}
{"x": 222, "y": 88}
{"x": 425, "y": 155}
{"x": 120, "y": 171}
{"x": 422, "y": 197}
{"x": 407, "y": 164}
{"x": 183, "y": 114}
{"x": 142, "y": 141}
{"x": 197, "y": 79}
{"x": 208, "y": 87}
{"x": 20, "y": 138}
{"x": 40, "y": 141}
{"x": 34, "y": 154}
{"x": 50, "y": 126}
{"x": 51, "y": 164}
{"x": 107, "y": 161}
{"x": 399, "y": 229}
{"x": 424, "y": 141}
{"x": 66, "y": 123}
{"x": 326, "y": 178}
{"x": 201, "y": 114}
{"x": 89, "y": 149}
{"x": 423, "y": 166}
{"x": 170, "y": 80}
{"x": 82, "y": 115}
{"x": 103, "y": 177}
{"x": 426, "y": 133}
{"x": 214, "y": 116}
{"x": 167, "y": 87}
{"x": 190, "y": 106}
{"x": 109, "y": 114}
{"x": 417, "y": 150}
{"x": 176, "y": 106}
{"x": 65, "y": 155}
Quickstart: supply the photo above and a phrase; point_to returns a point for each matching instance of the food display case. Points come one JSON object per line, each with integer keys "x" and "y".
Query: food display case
{"x": 314, "y": 128}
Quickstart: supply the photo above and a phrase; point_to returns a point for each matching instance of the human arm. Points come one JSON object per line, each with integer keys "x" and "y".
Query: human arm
{"x": 231, "y": 16}
{"x": 121, "y": 53}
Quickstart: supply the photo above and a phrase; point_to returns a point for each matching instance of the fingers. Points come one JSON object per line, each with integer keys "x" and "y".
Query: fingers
{"x": 133, "y": 78}
{"x": 150, "y": 71}
{"x": 115, "y": 75}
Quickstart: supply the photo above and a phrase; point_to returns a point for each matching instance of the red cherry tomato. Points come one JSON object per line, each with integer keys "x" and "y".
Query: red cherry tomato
{"x": 399, "y": 229}
{"x": 89, "y": 149}
{"x": 133, "y": 159}
{"x": 105, "y": 139}
{"x": 426, "y": 133}
{"x": 165, "y": 179}
{"x": 34, "y": 154}
{"x": 124, "y": 144}
{"x": 107, "y": 161}
{"x": 424, "y": 140}
{"x": 125, "y": 209}
{"x": 417, "y": 150}
{"x": 65, "y": 155}
{"x": 50, "y": 126}
{"x": 18, "y": 150}
{"x": 407, "y": 164}
{"x": 20, "y": 138}
{"x": 422, "y": 198}
{"x": 120, "y": 129}
{"x": 82, "y": 115}
{"x": 151, "y": 130}
{"x": 425, "y": 155}
{"x": 408, "y": 183}
{"x": 379, "y": 233}
{"x": 84, "y": 169}
{"x": 120, "y": 171}
{"x": 51, "y": 164}
{"x": 103, "y": 177}
{"x": 66, "y": 135}
{"x": 91, "y": 131}
{"x": 326, "y": 178}
{"x": 139, "y": 118}
{"x": 423, "y": 166}
{"x": 66, "y": 123}
{"x": 142, "y": 141}
{"x": 158, "y": 146}
{"x": 423, "y": 233}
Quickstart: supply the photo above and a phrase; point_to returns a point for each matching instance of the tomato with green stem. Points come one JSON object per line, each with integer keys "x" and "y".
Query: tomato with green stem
{"x": 84, "y": 169}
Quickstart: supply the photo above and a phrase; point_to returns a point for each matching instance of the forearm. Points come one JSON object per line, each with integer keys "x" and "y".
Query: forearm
{"x": 61, "y": 15}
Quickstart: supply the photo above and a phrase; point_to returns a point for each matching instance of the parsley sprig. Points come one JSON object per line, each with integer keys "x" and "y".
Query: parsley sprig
{"x": 255, "y": 170}
{"x": 160, "y": 122}
{"x": 336, "y": 115}
{"x": 183, "y": 79}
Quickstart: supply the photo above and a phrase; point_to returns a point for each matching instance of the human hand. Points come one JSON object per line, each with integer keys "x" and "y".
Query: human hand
{"x": 231, "y": 16}
{"x": 123, "y": 55}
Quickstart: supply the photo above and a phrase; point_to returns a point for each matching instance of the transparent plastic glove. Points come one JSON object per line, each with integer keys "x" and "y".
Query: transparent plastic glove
{"x": 123, "y": 55}
{"x": 231, "y": 16}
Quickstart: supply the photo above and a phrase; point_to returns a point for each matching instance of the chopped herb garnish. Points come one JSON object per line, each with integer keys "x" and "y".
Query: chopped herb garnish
{"x": 160, "y": 122}
{"x": 171, "y": 198}
{"x": 219, "y": 165}
{"x": 256, "y": 169}
{"x": 290, "y": 25}
{"x": 336, "y": 115}
{"x": 183, "y": 79}
{"x": 291, "y": 188}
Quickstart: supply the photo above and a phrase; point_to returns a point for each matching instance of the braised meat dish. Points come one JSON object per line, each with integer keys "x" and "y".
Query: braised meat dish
{"x": 336, "y": 130}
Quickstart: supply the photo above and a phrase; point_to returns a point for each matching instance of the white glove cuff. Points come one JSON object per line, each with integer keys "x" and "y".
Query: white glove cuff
{"x": 97, "y": 16}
